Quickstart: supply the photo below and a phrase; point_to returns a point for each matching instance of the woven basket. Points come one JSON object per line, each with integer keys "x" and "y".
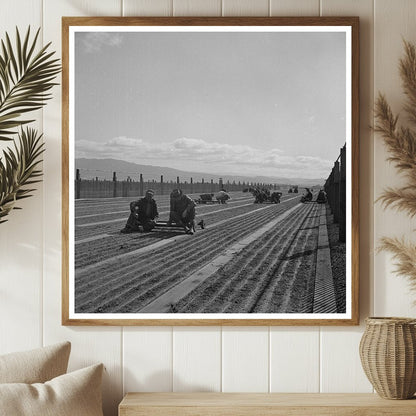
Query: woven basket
{"x": 388, "y": 356}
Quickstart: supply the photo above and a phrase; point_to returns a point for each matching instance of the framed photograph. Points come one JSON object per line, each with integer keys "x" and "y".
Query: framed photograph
{"x": 210, "y": 171}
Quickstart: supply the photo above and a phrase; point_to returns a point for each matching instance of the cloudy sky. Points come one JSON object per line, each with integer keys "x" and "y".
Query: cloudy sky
{"x": 263, "y": 103}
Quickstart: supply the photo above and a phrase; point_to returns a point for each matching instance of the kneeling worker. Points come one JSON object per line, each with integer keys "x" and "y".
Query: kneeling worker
{"x": 182, "y": 210}
{"x": 143, "y": 212}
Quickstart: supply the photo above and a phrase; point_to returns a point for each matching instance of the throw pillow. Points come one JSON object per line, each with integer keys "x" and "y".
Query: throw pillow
{"x": 35, "y": 366}
{"x": 73, "y": 394}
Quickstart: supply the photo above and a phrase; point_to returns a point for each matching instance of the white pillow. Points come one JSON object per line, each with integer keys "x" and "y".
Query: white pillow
{"x": 73, "y": 394}
{"x": 35, "y": 366}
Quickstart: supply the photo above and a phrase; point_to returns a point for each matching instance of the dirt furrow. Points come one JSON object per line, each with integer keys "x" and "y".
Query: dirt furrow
{"x": 302, "y": 271}
{"x": 214, "y": 234}
{"x": 257, "y": 282}
{"x": 84, "y": 221}
{"x": 95, "y": 251}
{"x": 290, "y": 269}
{"x": 133, "y": 302}
{"x": 102, "y": 206}
{"x": 160, "y": 258}
{"x": 142, "y": 285}
{"x": 105, "y": 208}
{"x": 229, "y": 284}
{"x": 114, "y": 227}
{"x": 299, "y": 259}
{"x": 164, "y": 271}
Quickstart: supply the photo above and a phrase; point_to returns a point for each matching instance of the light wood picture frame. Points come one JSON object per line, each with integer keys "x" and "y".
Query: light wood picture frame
{"x": 256, "y": 121}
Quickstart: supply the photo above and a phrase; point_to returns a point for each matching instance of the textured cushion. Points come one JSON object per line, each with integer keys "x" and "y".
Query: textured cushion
{"x": 35, "y": 366}
{"x": 73, "y": 394}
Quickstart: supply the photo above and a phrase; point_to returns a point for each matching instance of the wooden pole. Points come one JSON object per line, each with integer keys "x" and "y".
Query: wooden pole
{"x": 141, "y": 187}
{"x": 342, "y": 196}
{"x": 77, "y": 185}
{"x": 114, "y": 184}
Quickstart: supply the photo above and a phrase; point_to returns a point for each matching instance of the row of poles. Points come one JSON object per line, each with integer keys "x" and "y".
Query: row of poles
{"x": 87, "y": 188}
{"x": 335, "y": 188}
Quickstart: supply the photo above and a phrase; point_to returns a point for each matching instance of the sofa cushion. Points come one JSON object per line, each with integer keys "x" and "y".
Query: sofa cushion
{"x": 73, "y": 394}
{"x": 35, "y": 366}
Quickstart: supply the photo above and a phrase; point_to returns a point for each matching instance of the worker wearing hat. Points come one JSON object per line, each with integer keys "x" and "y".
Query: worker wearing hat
{"x": 143, "y": 213}
{"x": 182, "y": 210}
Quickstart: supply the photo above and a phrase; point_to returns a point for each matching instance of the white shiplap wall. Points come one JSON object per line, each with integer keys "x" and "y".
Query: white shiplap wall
{"x": 261, "y": 359}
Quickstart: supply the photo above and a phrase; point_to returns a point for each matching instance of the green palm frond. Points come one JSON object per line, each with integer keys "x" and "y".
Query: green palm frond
{"x": 19, "y": 169}
{"x": 26, "y": 78}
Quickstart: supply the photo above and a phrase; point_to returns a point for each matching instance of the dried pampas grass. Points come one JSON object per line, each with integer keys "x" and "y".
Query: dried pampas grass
{"x": 405, "y": 255}
{"x": 401, "y": 143}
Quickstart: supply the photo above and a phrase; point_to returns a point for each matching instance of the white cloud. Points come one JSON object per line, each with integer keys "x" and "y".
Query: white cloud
{"x": 197, "y": 154}
{"x": 94, "y": 41}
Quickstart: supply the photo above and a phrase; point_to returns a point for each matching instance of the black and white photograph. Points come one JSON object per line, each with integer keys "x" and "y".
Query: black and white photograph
{"x": 210, "y": 172}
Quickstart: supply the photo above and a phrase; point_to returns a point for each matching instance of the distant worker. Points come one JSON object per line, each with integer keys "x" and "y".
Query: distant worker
{"x": 143, "y": 212}
{"x": 321, "y": 198}
{"x": 204, "y": 198}
{"x": 307, "y": 197}
{"x": 222, "y": 196}
{"x": 275, "y": 197}
{"x": 182, "y": 210}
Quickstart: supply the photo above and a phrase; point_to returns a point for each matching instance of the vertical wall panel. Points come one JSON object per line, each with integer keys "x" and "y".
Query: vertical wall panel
{"x": 20, "y": 13}
{"x": 294, "y": 7}
{"x": 21, "y": 237}
{"x": 394, "y": 21}
{"x": 245, "y": 359}
{"x": 294, "y": 360}
{"x": 147, "y": 359}
{"x": 363, "y": 9}
{"x": 197, "y": 7}
{"x": 148, "y": 7}
{"x": 341, "y": 371}
{"x": 196, "y": 359}
{"x": 294, "y": 352}
{"x": 245, "y": 8}
{"x": 89, "y": 344}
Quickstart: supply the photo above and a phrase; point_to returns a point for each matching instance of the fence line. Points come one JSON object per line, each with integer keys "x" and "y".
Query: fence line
{"x": 95, "y": 188}
{"x": 335, "y": 188}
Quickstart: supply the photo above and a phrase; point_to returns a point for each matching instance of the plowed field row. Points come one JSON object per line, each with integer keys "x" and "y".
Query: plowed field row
{"x": 253, "y": 280}
{"x": 102, "y": 211}
{"x": 88, "y": 207}
{"x": 98, "y": 250}
{"x": 128, "y": 286}
{"x": 210, "y": 215}
{"x": 163, "y": 209}
{"x": 94, "y": 251}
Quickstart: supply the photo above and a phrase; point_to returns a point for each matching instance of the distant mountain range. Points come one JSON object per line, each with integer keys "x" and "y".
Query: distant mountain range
{"x": 104, "y": 168}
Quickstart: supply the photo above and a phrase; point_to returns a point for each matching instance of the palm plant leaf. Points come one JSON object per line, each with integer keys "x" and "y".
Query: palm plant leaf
{"x": 18, "y": 169}
{"x": 26, "y": 78}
